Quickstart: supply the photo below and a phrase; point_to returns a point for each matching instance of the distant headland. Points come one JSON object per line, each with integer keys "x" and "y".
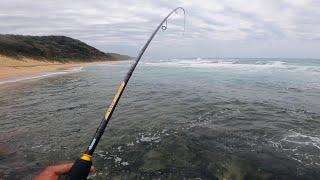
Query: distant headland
{"x": 26, "y": 57}
{"x": 53, "y": 48}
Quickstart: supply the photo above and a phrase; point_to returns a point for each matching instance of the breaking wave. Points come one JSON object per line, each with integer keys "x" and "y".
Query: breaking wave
{"x": 234, "y": 64}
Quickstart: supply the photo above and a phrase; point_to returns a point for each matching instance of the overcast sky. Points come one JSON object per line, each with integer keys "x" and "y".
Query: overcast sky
{"x": 214, "y": 28}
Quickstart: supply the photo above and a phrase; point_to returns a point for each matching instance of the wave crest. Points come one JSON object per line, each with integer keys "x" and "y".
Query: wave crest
{"x": 235, "y": 64}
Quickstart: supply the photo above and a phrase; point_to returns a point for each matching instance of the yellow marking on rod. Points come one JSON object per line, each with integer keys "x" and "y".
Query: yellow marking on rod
{"x": 116, "y": 97}
{"x": 86, "y": 157}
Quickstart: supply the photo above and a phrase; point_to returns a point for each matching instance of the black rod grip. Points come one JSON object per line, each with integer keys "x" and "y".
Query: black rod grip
{"x": 80, "y": 170}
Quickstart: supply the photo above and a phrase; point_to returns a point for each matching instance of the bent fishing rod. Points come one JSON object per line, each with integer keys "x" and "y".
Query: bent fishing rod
{"x": 81, "y": 167}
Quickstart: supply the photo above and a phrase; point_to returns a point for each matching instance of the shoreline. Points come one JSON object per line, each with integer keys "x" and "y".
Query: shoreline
{"x": 13, "y": 70}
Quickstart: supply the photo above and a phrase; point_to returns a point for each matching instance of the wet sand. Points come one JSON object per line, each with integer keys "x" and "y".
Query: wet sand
{"x": 13, "y": 69}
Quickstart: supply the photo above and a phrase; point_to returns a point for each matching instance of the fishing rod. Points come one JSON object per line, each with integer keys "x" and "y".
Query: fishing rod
{"x": 81, "y": 167}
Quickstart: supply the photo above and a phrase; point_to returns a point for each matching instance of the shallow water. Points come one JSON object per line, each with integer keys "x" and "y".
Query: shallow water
{"x": 192, "y": 118}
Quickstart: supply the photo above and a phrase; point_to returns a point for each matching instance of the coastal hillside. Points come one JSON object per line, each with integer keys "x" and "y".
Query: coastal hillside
{"x": 53, "y": 48}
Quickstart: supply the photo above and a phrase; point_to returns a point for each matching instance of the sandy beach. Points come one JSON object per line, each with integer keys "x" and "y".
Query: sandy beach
{"x": 13, "y": 69}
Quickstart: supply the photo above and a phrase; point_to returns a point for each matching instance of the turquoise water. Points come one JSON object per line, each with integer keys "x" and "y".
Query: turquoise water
{"x": 178, "y": 118}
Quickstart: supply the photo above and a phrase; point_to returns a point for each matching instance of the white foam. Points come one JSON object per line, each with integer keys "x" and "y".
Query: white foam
{"x": 124, "y": 163}
{"x": 102, "y": 154}
{"x": 302, "y": 139}
{"x": 130, "y": 144}
{"x": 119, "y": 148}
{"x": 117, "y": 160}
{"x": 215, "y": 63}
{"x": 38, "y": 146}
{"x": 234, "y": 64}
{"x": 155, "y": 138}
{"x": 149, "y": 139}
{"x": 295, "y": 144}
{"x": 43, "y": 75}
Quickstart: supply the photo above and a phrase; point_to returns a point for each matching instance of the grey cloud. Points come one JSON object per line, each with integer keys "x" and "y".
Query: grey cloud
{"x": 123, "y": 26}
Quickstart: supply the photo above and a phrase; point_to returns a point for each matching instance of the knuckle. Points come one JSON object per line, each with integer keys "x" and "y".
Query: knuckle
{"x": 49, "y": 168}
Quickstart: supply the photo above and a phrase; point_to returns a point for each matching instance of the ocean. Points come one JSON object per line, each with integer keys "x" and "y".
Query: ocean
{"x": 177, "y": 119}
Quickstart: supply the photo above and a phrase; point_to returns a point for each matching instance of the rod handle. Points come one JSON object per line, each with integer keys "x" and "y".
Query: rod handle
{"x": 80, "y": 169}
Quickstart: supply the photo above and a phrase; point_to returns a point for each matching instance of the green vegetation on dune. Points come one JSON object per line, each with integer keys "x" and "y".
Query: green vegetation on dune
{"x": 55, "y": 48}
{"x": 119, "y": 56}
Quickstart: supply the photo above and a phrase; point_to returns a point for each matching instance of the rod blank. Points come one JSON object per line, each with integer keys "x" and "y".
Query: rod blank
{"x": 81, "y": 167}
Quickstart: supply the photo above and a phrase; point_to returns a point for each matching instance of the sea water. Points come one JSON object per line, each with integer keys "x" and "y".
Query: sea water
{"x": 177, "y": 119}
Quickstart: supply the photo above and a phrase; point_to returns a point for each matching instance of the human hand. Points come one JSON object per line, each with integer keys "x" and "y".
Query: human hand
{"x": 53, "y": 172}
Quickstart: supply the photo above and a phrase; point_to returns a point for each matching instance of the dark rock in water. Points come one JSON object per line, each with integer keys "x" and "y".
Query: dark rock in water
{"x": 154, "y": 161}
{"x": 154, "y": 155}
